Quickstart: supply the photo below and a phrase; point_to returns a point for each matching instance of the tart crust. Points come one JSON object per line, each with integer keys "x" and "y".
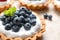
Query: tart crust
{"x": 35, "y": 7}
{"x": 33, "y": 37}
{"x": 5, "y": 7}
{"x": 57, "y": 7}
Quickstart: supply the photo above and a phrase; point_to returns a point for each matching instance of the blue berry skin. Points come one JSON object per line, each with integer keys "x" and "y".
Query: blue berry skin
{"x": 22, "y": 13}
{"x": 17, "y": 13}
{"x": 23, "y": 9}
{"x": 12, "y": 18}
{"x": 15, "y": 28}
{"x": 8, "y": 27}
{"x": 50, "y": 17}
{"x": 27, "y": 26}
{"x": 3, "y": 18}
{"x": 3, "y": 23}
{"x": 45, "y": 16}
{"x": 32, "y": 16}
{"x": 33, "y": 22}
{"x": 27, "y": 20}
{"x": 29, "y": 12}
{"x": 17, "y": 21}
{"x": 22, "y": 19}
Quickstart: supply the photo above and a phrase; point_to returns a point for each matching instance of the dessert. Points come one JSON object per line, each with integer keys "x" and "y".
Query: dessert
{"x": 35, "y": 4}
{"x": 56, "y": 4}
{"x": 22, "y": 24}
{"x": 5, "y": 4}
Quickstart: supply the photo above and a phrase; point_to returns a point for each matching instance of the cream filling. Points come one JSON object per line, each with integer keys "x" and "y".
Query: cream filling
{"x": 5, "y": 2}
{"x": 22, "y": 33}
{"x": 34, "y": 1}
{"x": 57, "y": 2}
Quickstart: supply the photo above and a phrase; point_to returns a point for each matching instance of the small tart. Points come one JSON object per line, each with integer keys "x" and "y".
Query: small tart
{"x": 5, "y": 5}
{"x": 3, "y": 36}
{"x": 35, "y": 4}
{"x": 56, "y": 4}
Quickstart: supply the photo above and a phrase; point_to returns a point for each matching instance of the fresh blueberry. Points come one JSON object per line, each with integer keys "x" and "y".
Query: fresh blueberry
{"x": 18, "y": 14}
{"x": 22, "y": 13}
{"x": 8, "y": 27}
{"x": 23, "y": 9}
{"x": 7, "y": 21}
{"x": 29, "y": 12}
{"x": 27, "y": 26}
{"x": 3, "y": 18}
{"x": 22, "y": 19}
{"x": 33, "y": 22}
{"x": 50, "y": 17}
{"x": 32, "y": 16}
{"x": 15, "y": 28}
{"x": 45, "y": 16}
{"x": 17, "y": 20}
{"x": 27, "y": 20}
{"x": 13, "y": 17}
{"x": 3, "y": 23}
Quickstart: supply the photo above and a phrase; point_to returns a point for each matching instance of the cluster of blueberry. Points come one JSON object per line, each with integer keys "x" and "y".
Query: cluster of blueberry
{"x": 46, "y": 16}
{"x": 22, "y": 18}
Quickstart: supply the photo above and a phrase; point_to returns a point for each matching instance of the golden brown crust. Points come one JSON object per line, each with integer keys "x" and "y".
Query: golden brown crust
{"x": 2, "y": 8}
{"x": 35, "y": 7}
{"x": 57, "y": 7}
{"x": 33, "y": 37}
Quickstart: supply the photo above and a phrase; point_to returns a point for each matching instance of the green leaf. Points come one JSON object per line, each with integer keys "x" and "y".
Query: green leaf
{"x": 10, "y": 12}
{"x": 6, "y": 12}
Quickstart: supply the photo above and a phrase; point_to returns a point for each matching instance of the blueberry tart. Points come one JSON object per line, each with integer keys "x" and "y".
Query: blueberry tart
{"x": 5, "y": 4}
{"x": 22, "y": 24}
{"x": 35, "y": 4}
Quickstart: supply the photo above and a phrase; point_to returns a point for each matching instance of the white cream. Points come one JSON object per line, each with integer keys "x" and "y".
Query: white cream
{"x": 57, "y": 2}
{"x": 4, "y": 3}
{"x": 34, "y": 2}
{"x": 22, "y": 33}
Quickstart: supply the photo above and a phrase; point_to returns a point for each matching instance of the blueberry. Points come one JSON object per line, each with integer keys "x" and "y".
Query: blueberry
{"x": 15, "y": 28}
{"x": 45, "y": 16}
{"x": 23, "y": 9}
{"x": 3, "y": 23}
{"x": 8, "y": 27}
{"x": 29, "y": 12}
{"x": 22, "y": 13}
{"x": 18, "y": 14}
{"x": 7, "y": 21}
{"x": 50, "y": 17}
{"x": 22, "y": 19}
{"x": 26, "y": 15}
{"x": 33, "y": 22}
{"x": 32, "y": 16}
{"x": 13, "y": 17}
{"x": 27, "y": 26}
{"x": 17, "y": 20}
{"x": 27, "y": 19}
{"x": 3, "y": 18}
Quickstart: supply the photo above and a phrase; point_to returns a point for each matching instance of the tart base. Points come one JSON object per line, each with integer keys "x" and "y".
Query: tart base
{"x": 33, "y": 37}
{"x": 35, "y": 7}
{"x": 5, "y": 7}
{"x": 57, "y": 7}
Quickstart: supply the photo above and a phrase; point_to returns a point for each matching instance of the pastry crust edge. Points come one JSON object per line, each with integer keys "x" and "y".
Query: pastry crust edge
{"x": 57, "y": 7}
{"x": 35, "y": 7}
{"x": 5, "y": 7}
